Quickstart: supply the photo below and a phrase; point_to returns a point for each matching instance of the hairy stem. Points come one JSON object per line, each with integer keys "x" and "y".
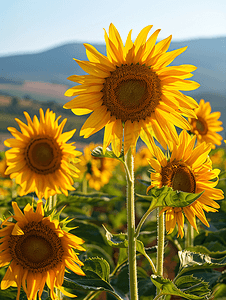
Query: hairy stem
{"x": 131, "y": 226}
{"x": 160, "y": 240}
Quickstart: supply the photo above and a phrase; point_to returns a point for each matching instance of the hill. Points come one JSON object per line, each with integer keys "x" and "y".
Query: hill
{"x": 55, "y": 65}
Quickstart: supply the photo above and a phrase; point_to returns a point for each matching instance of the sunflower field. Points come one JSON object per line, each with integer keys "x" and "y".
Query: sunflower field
{"x": 117, "y": 221}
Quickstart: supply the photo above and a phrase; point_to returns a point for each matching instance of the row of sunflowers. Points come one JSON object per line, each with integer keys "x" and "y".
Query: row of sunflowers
{"x": 143, "y": 223}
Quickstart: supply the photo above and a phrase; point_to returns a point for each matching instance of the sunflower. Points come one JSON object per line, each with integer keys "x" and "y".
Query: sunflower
{"x": 3, "y": 167}
{"x": 132, "y": 89}
{"x": 97, "y": 171}
{"x": 38, "y": 250}
{"x": 40, "y": 158}
{"x": 141, "y": 158}
{"x": 206, "y": 125}
{"x": 189, "y": 170}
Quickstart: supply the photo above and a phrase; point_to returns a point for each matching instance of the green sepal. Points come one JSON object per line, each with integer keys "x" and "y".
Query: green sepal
{"x": 116, "y": 240}
{"x": 166, "y": 196}
{"x": 167, "y": 287}
{"x": 98, "y": 152}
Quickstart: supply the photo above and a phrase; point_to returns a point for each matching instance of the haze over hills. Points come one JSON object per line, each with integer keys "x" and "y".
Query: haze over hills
{"x": 55, "y": 65}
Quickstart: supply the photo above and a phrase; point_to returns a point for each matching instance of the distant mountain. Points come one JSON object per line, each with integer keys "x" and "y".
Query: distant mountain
{"x": 55, "y": 65}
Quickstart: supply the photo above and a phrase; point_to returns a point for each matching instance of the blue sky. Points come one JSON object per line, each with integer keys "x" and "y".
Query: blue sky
{"x": 33, "y": 26}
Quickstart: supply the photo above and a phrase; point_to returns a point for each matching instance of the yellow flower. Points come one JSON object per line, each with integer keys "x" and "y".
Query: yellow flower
{"x": 38, "y": 251}
{"x": 218, "y": 158}
{"x": 132, "y": 90}
{"x": 98, "y": 171}
{"x": 3, "y": 167}
{"x": 3, "y": 193}
{"x": 206, "y": 125}
{"x": 40, "y": 158}
{"x": 189, "y": 170}
{"x": 141, "y": 157}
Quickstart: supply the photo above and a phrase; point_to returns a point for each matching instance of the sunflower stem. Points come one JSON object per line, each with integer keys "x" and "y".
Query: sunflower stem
{"x": 129, "y": 162}
{"x": 160, "y": 241}
{"x": 84, "y": 185}
{"x": 50, "y": 202}
{"x": 14, "y": 191}
{"x": 189, "y": 241}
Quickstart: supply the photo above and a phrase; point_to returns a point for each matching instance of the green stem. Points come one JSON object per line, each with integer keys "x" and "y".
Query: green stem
{"x": 158, "y": 296}
{"x": 50, "y": 202}
{"x": 84, "y": 185}
{"x": 151, "y": 263}
{"x": 129, "y": 162}
{"x": 143, "y": 219}
{"x": 161, "y": 236}
{"x": 92, "y": 295}
{"x": 54, "y": 200}
{"x": 189, "y": 241}
{"x": 58, "y": 293}
{"x": 160, "y": 240}
{"x": 14, "y": 191}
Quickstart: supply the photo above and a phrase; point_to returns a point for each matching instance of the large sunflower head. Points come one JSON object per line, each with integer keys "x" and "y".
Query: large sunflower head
{"x": 189, "y": 170}
{"x": 37, "y": 250}
{"x": 40, "y": 158}
{"x": 132, "y": 89}
{"x": 206, "y": 125}
{"x": 97, "y": 171}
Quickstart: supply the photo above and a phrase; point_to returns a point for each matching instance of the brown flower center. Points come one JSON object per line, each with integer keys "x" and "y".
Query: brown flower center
{"x": 43, "y": 155}
{"x": 39, "y": 249}
{"x": 132, "y": 92}
{"x": 179, "y": 176}
{"x": 200, "y": 125}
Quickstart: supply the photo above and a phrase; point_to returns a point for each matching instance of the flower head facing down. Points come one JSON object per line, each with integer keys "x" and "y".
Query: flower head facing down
{"x": 189, "y": 170}
{"x": 98, "y": 171}
{"x": 206, "y": 125}
{"x": 132, "y": 89}
{"x": 38, "y": 250}
{"x": 40, "y": 158}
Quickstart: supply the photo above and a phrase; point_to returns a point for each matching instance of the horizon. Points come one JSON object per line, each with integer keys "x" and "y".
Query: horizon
{"x": 98, "y": 43}
{"x": 29, "y": 26}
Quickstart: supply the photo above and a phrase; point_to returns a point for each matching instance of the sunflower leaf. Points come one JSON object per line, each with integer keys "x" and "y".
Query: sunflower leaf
{"x": 98, "y": 265}
{"x": 204, "y": 250}
{"x": 116, "y": 240}
{"x": 98, "y": 152}
{"x": 167, "y": 287}
{"x": 192, "y": 285}
{"x": 97, "y": 272}
{"x": 190, "y": 261}
{"x": 166, "y": 196}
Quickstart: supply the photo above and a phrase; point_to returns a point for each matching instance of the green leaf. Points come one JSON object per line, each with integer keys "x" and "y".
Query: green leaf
{"x": 97, "y": 251}
{"x": 220, "y": 292}
{"x": 98, "y": 265}
{"x": 116, "y": 240}
{"x": 204, "y": 250}
{"x": 190, "y": 261}
{"x": 210, "y": 276}
{"x": 167, "y": 287}
{"x": 192, "y": 285}
{"x": 98, "y": 152}
{"x": 78, "y": 198}
{"x": 213, "y": 241}
{"x": 166, "y": 196}
{"x": 96, "y": 279}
